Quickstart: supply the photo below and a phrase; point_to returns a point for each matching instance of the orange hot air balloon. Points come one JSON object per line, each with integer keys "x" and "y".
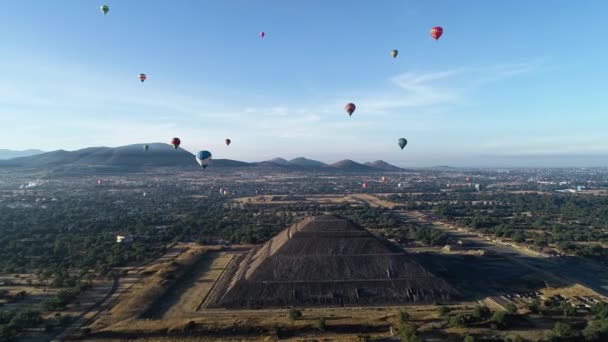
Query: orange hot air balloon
{"x": 350, "y": 108}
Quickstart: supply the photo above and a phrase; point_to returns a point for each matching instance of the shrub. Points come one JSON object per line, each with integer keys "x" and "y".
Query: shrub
{"x": 442, "y": 311}
{"x": 320, "y": 324}
{"x": 294, "y": 314}
{"x": 403, "y": 316}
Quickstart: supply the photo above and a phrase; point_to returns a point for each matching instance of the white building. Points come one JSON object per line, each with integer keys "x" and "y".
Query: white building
{"x": 124, "y": 238}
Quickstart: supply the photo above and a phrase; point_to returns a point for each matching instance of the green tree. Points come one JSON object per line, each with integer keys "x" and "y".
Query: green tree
{"x": 468, "y": 338}
{"x": 403, "y": 316}
{"x": 567, "y": 309}
{"x": 320, "y": 324}
{"x": 562, "y": 329}
{"x": 534, "y": 306}
{"x": 294, "y": 314}
{"x": 499, "y": 318}
{"x": 408, "y": 333}
{"x": 481, "y": 312}
{"x": 442, "y": 310}
{"x": 511, "y": 308}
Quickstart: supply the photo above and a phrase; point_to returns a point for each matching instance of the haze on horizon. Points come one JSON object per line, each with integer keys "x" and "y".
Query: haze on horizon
{"x": 509, "y": 84}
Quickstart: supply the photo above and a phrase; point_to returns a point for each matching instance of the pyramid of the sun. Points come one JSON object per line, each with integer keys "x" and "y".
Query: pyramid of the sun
{"x": 326, "y": 260}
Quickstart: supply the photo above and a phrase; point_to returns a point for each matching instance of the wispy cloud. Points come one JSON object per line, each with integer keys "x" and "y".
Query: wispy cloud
{"x": 419, "y": 89}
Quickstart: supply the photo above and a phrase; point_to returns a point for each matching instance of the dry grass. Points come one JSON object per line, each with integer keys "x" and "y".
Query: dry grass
{"x": 143, "y": 294}
{"x": 571, "y": 291}
{"x": 191, "y": 298}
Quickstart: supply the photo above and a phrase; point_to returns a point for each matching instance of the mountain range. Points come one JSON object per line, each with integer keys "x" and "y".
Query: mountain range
{"x": 160, "y": 155}
{"x": 8, "y": 154}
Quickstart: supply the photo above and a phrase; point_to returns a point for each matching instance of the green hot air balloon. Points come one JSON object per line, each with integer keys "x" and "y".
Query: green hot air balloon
{"x": 394, "y": 53}
{"x": 402, "y": 142}
{"x": 105, "y": 9}
{"x": 146, "y": 147}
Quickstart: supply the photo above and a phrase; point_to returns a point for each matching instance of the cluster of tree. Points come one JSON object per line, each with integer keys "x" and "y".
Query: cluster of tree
{"x": 64, "y": 297}
{"x": 536, "y": 219}
{"x": 13, "y": 322}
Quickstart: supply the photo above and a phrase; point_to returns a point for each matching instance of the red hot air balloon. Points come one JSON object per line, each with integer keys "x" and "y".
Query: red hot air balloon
{"x": 364, "y": 185}
{"x": 436, "y": 32}
{"x": 262, "y": 34}
{"x": 175, "y": 142}
{"x": 350, "y": 108}
{"x": 228, "y": 142}
{"x": 142, "y": 77}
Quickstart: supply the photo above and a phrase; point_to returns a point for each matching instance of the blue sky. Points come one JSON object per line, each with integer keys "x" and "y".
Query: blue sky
{"x": 508, "y": 79}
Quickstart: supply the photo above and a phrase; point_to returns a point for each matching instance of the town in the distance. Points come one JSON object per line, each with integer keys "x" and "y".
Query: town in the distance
{"x": 121, "y": 244}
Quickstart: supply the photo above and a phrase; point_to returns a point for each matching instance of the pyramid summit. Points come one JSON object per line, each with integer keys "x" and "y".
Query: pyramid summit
{"x": 324, "y": 261}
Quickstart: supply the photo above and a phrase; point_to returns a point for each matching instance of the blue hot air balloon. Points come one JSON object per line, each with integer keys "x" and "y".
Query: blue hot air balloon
{"x": 203, "y": 158}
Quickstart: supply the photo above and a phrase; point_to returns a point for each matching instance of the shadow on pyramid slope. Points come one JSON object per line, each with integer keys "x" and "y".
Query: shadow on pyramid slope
{"x": 327, "y": 260}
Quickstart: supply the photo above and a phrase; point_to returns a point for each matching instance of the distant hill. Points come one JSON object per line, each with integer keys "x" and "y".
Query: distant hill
{"x": 349, "y": 165}
{"x": 306, "y": 162}
{"x": 382, "y": 165}
{"x": 133, "y": 158}
{"x": 278, "y": 161}
{"x": 9, "y": 154}
{"x": 124, "y": 158}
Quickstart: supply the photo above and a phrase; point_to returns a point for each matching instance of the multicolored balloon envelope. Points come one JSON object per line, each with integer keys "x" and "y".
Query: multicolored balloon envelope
{"x": 142, "y": 77}
{"x": 203, "y": 158}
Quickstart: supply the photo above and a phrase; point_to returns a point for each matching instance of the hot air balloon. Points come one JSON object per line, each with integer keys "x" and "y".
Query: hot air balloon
{"x": 228, "y": 141}
{"x": 350, "y": 108}
{"x": 203, "y": 158}
{"x": 402, "y": 142}
{"x": 146, "y": 147}
{"x": 105, "y": 9}
{"x": 225, "y": 193}
{"x": 99, "y": 181}
{"x": 383, "y": 179}
{"x": 478, "y": 187}
{"x": 175, "y": 142}
{"x": 400, "y": 185}
{"x": 394, "y": 53}
{"x": 436, "y": 32}
{"x": 468, "y": 179}
{"x": 364, "y": 185}
{"x": 221, "y": 191}
{"x": 262, "y": 34}
{"x": 142, "y": 77}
